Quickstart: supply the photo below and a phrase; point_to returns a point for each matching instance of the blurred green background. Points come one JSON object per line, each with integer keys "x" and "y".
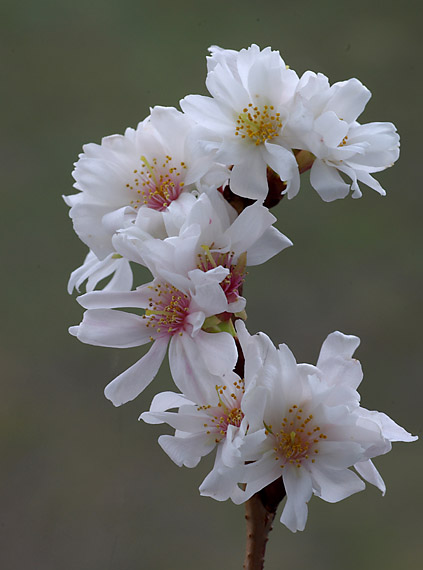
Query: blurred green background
{"x": 84, "y": 485}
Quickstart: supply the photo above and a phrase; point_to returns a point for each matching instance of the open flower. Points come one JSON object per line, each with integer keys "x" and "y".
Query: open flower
{"x": 314, "y": 430}
{"x": 171, "y": 317}
{"x": 212, "y": 235}
{"x": 212, "y": 418}
{"x": 140, "y": 175}
{"x": 324, "y": 124}
{"x": 243, "y": 122}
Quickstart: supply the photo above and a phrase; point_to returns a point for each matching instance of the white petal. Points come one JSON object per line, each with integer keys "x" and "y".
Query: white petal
{"x": 116, "y": 299}
{"x": 331, "y": 128}
{"x": 122, "y": 278}
{"x": 327, "y": 182}
{"x": 205, "y": 111}
{"x": 336, "y": 360}
{"x": 187, "y": 450}
{"x": 190, "y": 422}
{"x": 115, "y": 329}
{"x": 132, "y": 382}
{"x": 349, "y": 99}
{"x": 281, "y": 160}
{"x": 335, "y": 485}
{"x": 269, "y": 244}
{"x": 253, "y": 405}
{"x": 189, "y": 371}
{"x": 249, "y": 179}
{"x": 369, "y": 472}
{"x": 259, "y": 474}
{"x": 248, "y": 227}
{"x": 218, "y": 350}
{"x": 221, "y": 482}
{"x": 390, "y": 429}
{"x": 79, "y": 275}
{"x": 168, "y": 400}
{"x": 298, "y": 493}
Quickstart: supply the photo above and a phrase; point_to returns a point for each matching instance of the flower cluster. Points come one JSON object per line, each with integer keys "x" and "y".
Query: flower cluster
{"x": 186, "y": 195}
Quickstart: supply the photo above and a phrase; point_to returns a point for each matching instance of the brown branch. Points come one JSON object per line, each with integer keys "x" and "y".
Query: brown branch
{"x": 260, "y": 512}
{"x": 261, "y": 507}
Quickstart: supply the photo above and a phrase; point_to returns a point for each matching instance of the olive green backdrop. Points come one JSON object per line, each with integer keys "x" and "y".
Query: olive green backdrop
{"x": 85, "y": 486}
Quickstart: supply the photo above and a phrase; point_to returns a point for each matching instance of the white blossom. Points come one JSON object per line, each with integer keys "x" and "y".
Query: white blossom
{"x": 324, "y": 123}
{"x": 243, "y": 122}
{"x": 212, "y": 235}
{"x": 172, "y": 316}
{"x": 138, "y": 176}
{"x": 212, "y": 418}
{"x": 315, "y": 430}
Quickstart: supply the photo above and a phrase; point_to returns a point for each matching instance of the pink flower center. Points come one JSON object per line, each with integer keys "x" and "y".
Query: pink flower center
{"x": 167, "y": 310}
{"x": 157, "y": 184}
{"x": 235, "y": 278}
{"x": 297, "y": 439}
{"x": 227, "y": 412}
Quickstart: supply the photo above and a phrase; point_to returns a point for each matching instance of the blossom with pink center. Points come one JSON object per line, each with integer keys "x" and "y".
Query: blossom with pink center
{"x": 305, "y": 425}
{"x": 143, "y": 175}
{"x": 212, "y": 235}
{"x": 232, "y": 283}
{"x": 214, "y": 418}
{"x": 171, "y": 317}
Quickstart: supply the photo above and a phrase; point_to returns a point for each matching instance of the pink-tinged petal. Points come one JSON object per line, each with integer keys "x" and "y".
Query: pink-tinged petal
{"x": 187, "y": 450}
{"x": 115, "y": 329}
{"x": 298, "y": 493}
{"x": 132, "y": 382}
{"x": 327, "y": 182}
{"x": 369, "y": 472}
{"x": 248, "y": 179}
{"x": 333, "y": 485}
